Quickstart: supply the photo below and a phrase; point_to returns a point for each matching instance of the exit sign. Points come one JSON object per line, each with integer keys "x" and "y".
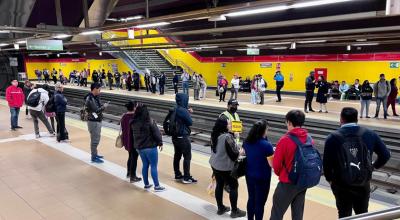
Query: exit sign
{"x": 394, "y": 65}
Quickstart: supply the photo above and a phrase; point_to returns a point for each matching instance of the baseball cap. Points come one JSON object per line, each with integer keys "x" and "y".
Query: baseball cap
{"x": 233, "y": 102}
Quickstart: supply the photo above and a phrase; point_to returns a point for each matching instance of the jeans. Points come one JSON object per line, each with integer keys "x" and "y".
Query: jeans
{"x": 131, "y": 164}
{"x": 279, "y": 86}
{"x": 39, "y": 78}
{"x": 182, "y": 147}
{"x": 308, "y": 102}
{"x": 258, "y": 191}
{"x": 223, "y": 178}
{"x": 365, "y": 104}
{"x": 196, "y": 94}
{"x": 14, "y": 117}
{"x": 349, "y": 198}
{"x": 234, "y": 92}
{"x": 94, "y": 128}
{"x": 117, "y": 84}
{"x": 288, "y": 194}
{"x": 185, "y": 87}
{"x": 149, "y": 158}
{"x": 103, "y": 83}
{"x": 253, "y": 97}
{"x": 380, "y": 100}
{"x": 61, "y": 131}
{"x": 40, "y": 115}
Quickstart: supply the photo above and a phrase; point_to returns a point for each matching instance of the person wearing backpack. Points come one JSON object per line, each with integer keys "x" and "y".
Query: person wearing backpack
{"x": 27, "y": 89}
{"x": 293, "y": 180}
{"x": 15, "y": 98}
{"x": 381, "y": 91}
{"x": 36, "y": 101}
{"x": 348, "y": 163}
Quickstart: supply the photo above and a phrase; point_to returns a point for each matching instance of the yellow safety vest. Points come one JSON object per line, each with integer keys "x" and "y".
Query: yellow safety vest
{"x": 230, "y": 117}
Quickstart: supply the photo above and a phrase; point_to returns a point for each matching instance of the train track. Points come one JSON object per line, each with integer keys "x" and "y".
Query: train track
{"x": 204, "y": 117}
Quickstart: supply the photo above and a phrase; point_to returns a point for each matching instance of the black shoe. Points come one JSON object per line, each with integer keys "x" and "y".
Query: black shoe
{"x": 128, "y": 175}
{"x": 135, "y": 179}
{"x": 305, "y": 111}
{"x": 320, "y": 111}
{"x": 223, "y": 210}
{"x": 396, "y": 115}
{"x": 278, "y": 100}
{"x": 238, "y": 213}
{"x": 18, "y": 127}
{"x": 311, "y": 110}
{"x": 178, "y": 177}
{"x": 367, "y": 117}
{"x": 13, "y": 129}
{"x": 189, "y": 180}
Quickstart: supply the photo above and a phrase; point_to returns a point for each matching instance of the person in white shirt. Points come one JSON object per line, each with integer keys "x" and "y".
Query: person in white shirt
{"x": 203, "y": 87}
{"x": 235, "y": 86}
{"x": 37, "y": 112}
{"x": 261, "y": 87}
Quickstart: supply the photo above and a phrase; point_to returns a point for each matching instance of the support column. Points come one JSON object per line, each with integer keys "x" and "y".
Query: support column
{"x": 85, "y": 13}
{"x": 58, "y": 12}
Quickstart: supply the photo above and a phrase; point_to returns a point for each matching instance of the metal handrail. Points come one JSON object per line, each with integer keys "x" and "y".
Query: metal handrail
{"x": 386, "y": 214}
{"x": 176, "y": 62}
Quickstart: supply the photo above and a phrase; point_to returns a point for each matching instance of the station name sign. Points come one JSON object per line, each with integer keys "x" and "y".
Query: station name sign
{"x": 36, "y": 44}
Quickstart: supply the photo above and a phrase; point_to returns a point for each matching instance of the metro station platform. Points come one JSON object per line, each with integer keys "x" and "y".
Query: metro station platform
{"x": 43, "y": 179}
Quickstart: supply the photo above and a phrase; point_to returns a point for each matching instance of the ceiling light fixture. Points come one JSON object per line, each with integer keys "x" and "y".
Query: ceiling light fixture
{"x": 348, "y": 47}
{"x": 158, "y": 24}
{"x": 258, "y": 11}
{"x": 279, "y": 43}
{"x": 279, "y": 48}
{"x": 317, "y": 3}
{"x": 21, "y": 42}
{"x": 58, "y": 55}
{"x": 312, "y": 41}
{"x": 90, "y": 32}
{"x": 3, "y": 45}
{"x": 62, "y": 36}
{"x": 293, "y": 46}
{"x": 5, "y": 31}
{"x": 255, "y": 45}
{"x": 366, "y": 44}
{"x": 133, "y": 18}
{"x": 16, "y": 46}
{"x": 100, "y": 53}
{"x": 361, "y": 40}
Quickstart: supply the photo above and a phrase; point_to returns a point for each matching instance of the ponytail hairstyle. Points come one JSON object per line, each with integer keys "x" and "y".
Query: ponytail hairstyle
{"x": 257, "y": 131}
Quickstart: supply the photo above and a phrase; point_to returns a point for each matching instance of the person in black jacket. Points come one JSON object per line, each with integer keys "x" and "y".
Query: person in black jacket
{"x": 147, "y": 81}
{"x": 110, "y": 79}
{"x": 61, "y": 106}
{"x": 349, "y": 197}
{"x": 365, "y": 96}
{"x": 146, "y": 139}
{"x": 95, "y": 76}
{"x": 322, "y": 95}
{"x": 162, "y": 83}
{"x": 175, "y": 82}
{"x": 136, "y": 81}
{"x": 310, "y": 87}
{"x": 181, "y": 140}
{"x": 95, "y": 110}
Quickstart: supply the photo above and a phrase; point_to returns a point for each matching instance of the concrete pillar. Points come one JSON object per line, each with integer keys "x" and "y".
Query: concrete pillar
{"x": 392, "y": 7}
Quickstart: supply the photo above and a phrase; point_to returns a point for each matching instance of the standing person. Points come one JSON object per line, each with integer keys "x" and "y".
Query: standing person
{"x": 286, "y": 192}
{"x": 72, "y": 77}
{"x": 310, "y": 87}
{"x": 382, "y": 90}
{"x": 54, "y": 75}
{"x": 280, "y": 82}
{"x": 223, "y": 86}
{"x": 175, "y": 82}
{"x": 343, "y": 89}
{"x": 95, "y": 76}
{"x": 124, "y": 78}
{"x": 146, "y": 138}
{"x": 46, "y": 76}
{"x": 61, "y": 75}
{"x": 15, "y": 98}
{"x": 136, "y": 81}
{"x": 110, "y": 79}
{"x": 27, "y": 89}
{"x": 203, "y": 87}
{"x": 261, "y": 87}
{"x": 37, "y": 112}
{"x": 254, "y": 91}
{"x": 129, "y": 81}
{"x": 234, "y": 87}
{"x": 78, "y": 78}
{"x": 224, "y": 153}
{"x": 185, "y": 77}
{"x": 50, "y": 110}
{"x": 348, "y": 163}
{"x": 38, "y": 74}
{"x": 259, "y": 154}
{"x": 162, "y": 83}
{"x": 181, "y": 140}
{"x": 95, "y": 116}
{"x": 103, "y": 76}
{"x": 196, "y": 86}
{"x": 365, "y": 97}
{"x": 393, "y": 96}
{"x": 117, "y": 77}
{"x": 322, "y": 95}
{"x": 61, "y": 106}
{"x": 147, "y": 80}
{"x": 84, "y": 76}
{"x": 153, "y": 83}
{"x": 127, "y": 142}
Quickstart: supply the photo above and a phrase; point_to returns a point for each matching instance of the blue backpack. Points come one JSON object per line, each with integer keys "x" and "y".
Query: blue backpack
{"x": 307, "y": 164}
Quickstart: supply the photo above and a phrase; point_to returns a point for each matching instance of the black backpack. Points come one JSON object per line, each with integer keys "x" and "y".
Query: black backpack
{"x": 169, "y": 124}
{"x": 33, "y": 100}
{"x": 354, "y": 157}
{"x": 51, "y": 105}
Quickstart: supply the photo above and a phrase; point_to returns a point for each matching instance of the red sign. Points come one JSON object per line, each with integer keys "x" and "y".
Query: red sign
{"x": 321, "y": 72}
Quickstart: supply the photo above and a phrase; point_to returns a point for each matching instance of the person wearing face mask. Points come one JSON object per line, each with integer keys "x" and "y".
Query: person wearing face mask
{"x": 231, "y": 114}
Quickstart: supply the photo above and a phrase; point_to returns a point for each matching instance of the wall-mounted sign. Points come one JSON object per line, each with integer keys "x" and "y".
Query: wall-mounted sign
{"x": 253, "y": 51}
{"x": 394, "y": 65}
{"x": 13, "y": 61}
{"x": 131, "y": 33}
{"x": 35, "y": 44}
{"x": 266, "y": 65}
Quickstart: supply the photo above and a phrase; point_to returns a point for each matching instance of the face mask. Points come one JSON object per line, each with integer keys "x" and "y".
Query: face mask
{"x": 233, "y": 109}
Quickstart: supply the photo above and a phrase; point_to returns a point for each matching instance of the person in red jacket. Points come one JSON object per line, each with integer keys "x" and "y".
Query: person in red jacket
{"x": 287, "y": 193}
{"x": 15, "y": 98}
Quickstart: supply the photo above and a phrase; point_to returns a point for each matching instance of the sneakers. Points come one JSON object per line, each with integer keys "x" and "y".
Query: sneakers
{"x": 312, "y": 110}
{"x": 99, "y": 156}
{"x": 18, "y": 127}
{"x": 189, "y": 180}
{"x": 97, "y": 160}
{"x": 135, "y": 179}
{"x": 146, "y": 187}
{"x": 223, "y": 210}
{"x": 159, "y": 188}
{"x": 13, "y": 129}
{"x": 178, "y": 178}
{"x": 238, "y": 214}
{"x": 128, "y": 175}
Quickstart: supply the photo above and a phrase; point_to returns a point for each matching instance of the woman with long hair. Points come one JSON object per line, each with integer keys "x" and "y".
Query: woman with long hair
{"x": 223, "y": 156}
{"x": 259, "y": 153}
{"x": 322, "y": 95}
{"x": 146, "y": 138}
{"x": 365, "y": 97}
{"x": 393, "y": 96}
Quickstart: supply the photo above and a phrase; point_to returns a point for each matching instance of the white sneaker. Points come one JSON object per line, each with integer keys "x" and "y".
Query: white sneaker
{"x": 37, "y": 136}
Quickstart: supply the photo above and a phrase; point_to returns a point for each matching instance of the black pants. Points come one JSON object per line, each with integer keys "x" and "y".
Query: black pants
{"x": 131, "y": 164}
{"x": 223, "y": 178}
{"x": 288, "y": 194}
{"x": 46, "y": 80}
{"x": 153, "y": 88}
{"x": 261, "y": 98}
{"x": 176, "y": 88}
{"x": 222, "y": 95}
{"x": 258, "y": 190}
{"x": 55, "y": 79}
{"x": 349, "y": 198}
{"x": 85, "y": 81}
{"x": 183, "y": 147}
{"x": 309, "y": 98}
{"x": 147, "y": 86}
{"x": 52, "y": 123}
{"x": 136, "y": 86}
{"x": 61, "y": 131}
{"x": 161, "y": 89}
{"x": 279, "y": 86}
{"x": 110, "y": 83}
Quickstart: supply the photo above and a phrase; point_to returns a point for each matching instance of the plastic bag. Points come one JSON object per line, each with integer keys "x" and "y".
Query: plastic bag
{"x": 211, "y": 187}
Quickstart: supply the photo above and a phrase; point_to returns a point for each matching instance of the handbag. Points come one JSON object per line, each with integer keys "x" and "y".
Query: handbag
{"x": 216, "y": 92}
{"x": 239, "y": 168}
{"x": 118, "y": 141}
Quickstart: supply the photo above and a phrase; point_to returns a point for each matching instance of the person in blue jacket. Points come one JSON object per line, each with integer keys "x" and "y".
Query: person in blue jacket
{"x": 61, "y": 106}
{"x": 181, "y": 140}
{"x": 280, "y": 81}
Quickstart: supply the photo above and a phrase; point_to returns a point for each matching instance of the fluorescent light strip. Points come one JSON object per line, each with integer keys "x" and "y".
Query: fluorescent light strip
{"x": 4, "y": 31}
{"x": 90, "y": 32}
{"x": 317, "y": 3}
{"x": 311, "y": 41}
{"x": 21, "y": 42}
{"x": 62, "y": 36}
{"x": 279, "y": 43}
{"x": 258, "y": 11}
{"x": 365, "y": 44}
{"x": 152, "y": 25}
{"x": 3, "y": 45}
{"x": 279, "y": 48}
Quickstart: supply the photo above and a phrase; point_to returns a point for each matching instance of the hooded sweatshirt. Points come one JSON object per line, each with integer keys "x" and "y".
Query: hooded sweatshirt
{"x": 382, "y": 89}
{"x": 15, "y": 96}
{"x": 285, "y": 152}
{"x": 183, "y": 117}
